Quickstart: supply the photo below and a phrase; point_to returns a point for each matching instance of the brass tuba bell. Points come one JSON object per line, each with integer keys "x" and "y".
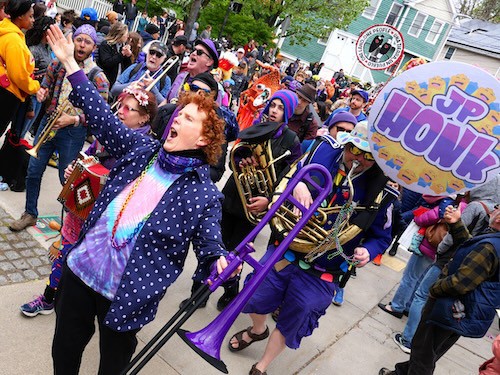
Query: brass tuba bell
{"x": 254, "y": 180}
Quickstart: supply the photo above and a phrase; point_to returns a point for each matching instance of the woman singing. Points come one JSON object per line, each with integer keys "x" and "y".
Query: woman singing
{"x": 158, "y": 199}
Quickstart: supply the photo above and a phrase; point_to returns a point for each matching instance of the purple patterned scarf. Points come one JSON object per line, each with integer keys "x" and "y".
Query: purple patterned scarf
{"x": 181, "y": 161}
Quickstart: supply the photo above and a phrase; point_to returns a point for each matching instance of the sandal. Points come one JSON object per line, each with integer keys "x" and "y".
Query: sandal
{"x": 256, "y": 371}
{"x": 242, "y": 344}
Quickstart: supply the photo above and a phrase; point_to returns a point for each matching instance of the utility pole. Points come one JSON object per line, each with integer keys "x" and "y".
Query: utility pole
{"x": 233, "y": 6}
{"x": 225, "y": 19}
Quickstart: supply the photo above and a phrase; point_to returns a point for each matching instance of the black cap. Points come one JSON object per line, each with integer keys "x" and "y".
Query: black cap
{"x": 180, "y": 39}
{"x": 207, "y": 79}
{"x": 152, "y": 29}
{"x": 159, "y": 46}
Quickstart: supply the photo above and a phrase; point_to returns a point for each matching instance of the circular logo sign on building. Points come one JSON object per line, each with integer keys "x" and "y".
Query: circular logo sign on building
{"x": 379, "y": 47}
{"x": 435, "y": 129}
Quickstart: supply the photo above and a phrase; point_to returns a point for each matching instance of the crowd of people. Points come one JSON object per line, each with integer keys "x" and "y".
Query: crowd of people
{"x": 161, "y": 116}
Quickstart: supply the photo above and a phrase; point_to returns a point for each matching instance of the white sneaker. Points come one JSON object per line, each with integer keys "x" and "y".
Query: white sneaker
{"x": 398, "y": 339}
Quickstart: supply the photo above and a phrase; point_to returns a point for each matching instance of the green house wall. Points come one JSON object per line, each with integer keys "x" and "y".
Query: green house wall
{"x": 311, "y": 52}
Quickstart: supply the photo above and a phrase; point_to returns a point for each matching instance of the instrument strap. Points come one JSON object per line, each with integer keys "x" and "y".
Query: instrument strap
{"x": 328, "y": 275}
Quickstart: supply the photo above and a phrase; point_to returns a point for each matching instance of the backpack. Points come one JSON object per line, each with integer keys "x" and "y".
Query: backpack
{"x": 93, "y": 73}
{"x": 138, "y": 67}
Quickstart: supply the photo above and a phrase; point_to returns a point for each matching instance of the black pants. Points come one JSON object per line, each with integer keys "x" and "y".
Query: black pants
{"x": 76, "y": 308}
{"x": 429, "y": 343}
{"x": 9, "y": 103}
{"x": 234, "y": 229}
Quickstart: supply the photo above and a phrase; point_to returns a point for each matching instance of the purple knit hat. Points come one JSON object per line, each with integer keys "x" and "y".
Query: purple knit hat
{"x": 289, "y": 100}
{"x": 342, "y": 117}
{"x": 87, "y": 30}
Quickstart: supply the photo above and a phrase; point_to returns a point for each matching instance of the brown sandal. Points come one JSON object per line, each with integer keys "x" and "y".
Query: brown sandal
{"x": 256, "y": 371}
{"x": 242, "y": 344}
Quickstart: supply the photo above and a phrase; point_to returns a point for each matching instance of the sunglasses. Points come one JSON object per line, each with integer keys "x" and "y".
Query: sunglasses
{"x": 366, "y": 155}
{"x": 341, "y": 129}
{"x": 156, "y": 53}
{"x": 126, "y": 108}
{"x": 200, "y": 52}
{"x": 195, "y": 88}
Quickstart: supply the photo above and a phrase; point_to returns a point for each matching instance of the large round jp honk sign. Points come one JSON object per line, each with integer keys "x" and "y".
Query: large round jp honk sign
{"x": 435, "y": 128}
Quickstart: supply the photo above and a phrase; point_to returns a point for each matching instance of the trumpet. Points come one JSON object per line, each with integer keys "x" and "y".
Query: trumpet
{"x": 207, "y": 342}
{"x": 48, "y": 132}
{"x": 164, "y": 68}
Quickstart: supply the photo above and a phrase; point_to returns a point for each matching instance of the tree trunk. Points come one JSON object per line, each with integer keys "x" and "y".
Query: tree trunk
{"x": 193, "y": 16}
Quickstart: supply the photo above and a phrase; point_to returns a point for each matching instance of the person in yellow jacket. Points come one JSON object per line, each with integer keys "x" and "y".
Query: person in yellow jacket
{"x": 16, "y": 62}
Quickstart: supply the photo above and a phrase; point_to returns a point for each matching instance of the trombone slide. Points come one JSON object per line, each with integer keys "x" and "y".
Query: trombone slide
{"x": 207, "y": 342}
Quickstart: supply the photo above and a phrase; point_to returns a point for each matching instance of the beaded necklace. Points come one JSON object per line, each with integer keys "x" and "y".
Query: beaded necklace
{"x": 114, "y": 243}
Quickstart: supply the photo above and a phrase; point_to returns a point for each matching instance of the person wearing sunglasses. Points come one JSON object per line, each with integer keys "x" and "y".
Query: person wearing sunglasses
{"x": 136, "y": 109}
{"x": 203, "y": 58}
{"x": 304, "y": 290}
{"x": 143, "y": 73}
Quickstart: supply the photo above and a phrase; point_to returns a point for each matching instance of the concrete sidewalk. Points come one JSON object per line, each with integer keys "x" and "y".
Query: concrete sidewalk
{"x": 352, "y": 339}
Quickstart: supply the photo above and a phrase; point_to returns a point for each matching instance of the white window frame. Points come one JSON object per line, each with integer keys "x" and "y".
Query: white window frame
{"x": 322, "y": 41}
{"x": 437, "y": 34}
{"x": 420, "y": 28}
{"x": 375, "y": 10}
{"x": 397, "y": 15}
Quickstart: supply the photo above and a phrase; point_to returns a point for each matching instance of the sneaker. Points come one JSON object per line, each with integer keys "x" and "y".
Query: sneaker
{"x": 386, "y": 371}
{"x": 394, "y": 248}
{"x": 26, "y": 220}
{"x": 377, "y": 260}
{"x": 37, "y": 306}
{"x": 398, "y": 339}
{"x": 338, "y": 299}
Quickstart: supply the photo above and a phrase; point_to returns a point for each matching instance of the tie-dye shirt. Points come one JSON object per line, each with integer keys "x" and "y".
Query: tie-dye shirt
{"x": 95, "y": 261}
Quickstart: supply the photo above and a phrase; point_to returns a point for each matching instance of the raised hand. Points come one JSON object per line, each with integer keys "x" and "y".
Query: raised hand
{"x": 451, "y": 215}
{"x": 63, "y": 47}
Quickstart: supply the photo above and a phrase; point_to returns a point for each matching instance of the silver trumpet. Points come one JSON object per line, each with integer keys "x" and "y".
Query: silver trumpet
{"x": 164, "y": 68}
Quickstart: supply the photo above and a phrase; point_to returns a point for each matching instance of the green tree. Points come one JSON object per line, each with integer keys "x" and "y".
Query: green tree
{"x": 300, "y": 20}
{"x": 487, "y": 10}
{"x": 240, "y": 28}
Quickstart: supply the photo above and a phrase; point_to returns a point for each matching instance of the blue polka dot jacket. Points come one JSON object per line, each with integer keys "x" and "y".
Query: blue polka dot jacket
{"x": 189, "y": 211}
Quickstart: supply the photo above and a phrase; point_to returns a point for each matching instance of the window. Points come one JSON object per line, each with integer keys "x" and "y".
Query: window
{"x": 449, "y": 53}
{"x": 323, "y": 41}
{"x": 393, "y": 68}
{"x": 371, "y": 10}
{"x": 434, "y": 32}
{"x": 417, "y": 25}
{"x": 393, "y": 15}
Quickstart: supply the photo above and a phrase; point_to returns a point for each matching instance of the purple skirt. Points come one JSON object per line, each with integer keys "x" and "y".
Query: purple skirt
{"x": 303, "y": 299}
